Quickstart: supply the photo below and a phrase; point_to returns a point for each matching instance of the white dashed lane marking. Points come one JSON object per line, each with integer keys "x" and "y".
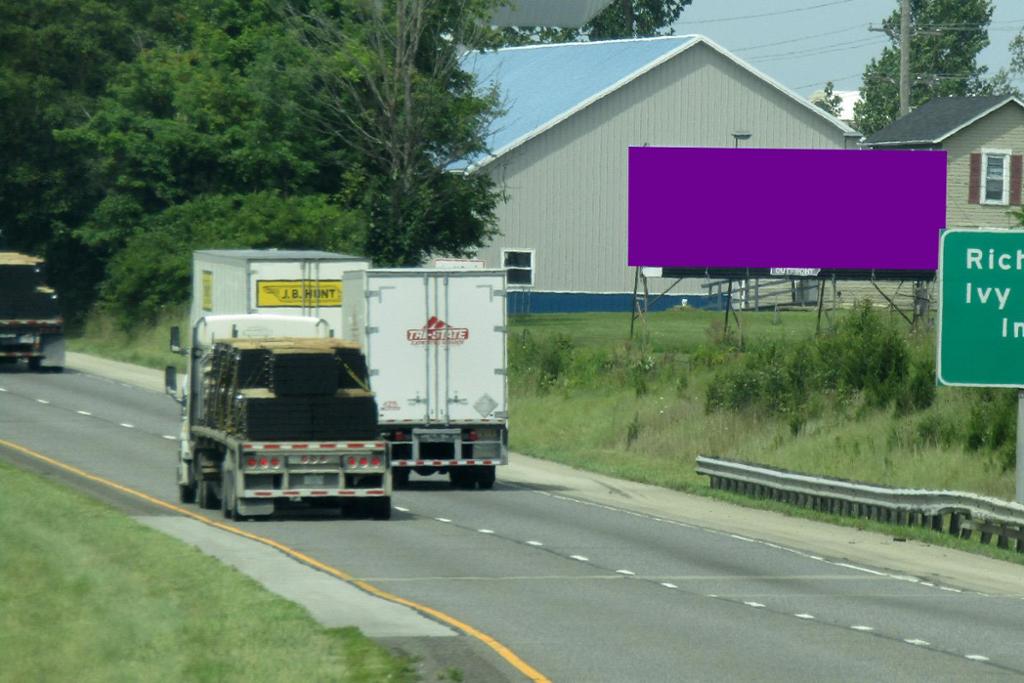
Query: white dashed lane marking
{"x": 669, "y": 585}
{"x": 401, "y": 509}
{"x": 804, "y": 615}
{"x": 535, "y": 544}
{"x": 977, "y": 658}
{"x": 752, "y": 604}
{"x": 916, "y": 641}
{"x": 443, "y": 519}
{"x": 127, "y": 426}
{"x": 580, "y": 558}
{"x": 43, "y": 401}
{"x": 625, "y": 572}
{"x": 170, "y": 438}
{"x": 862, "y": 628}
{"x": 485, "y": 531}
{"x": 84, "y": 412}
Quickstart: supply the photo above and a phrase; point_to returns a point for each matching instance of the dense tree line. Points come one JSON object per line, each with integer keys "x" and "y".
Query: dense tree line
{"x": 137, "y": 131}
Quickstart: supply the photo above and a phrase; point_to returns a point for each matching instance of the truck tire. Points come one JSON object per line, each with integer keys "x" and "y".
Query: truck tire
{"x": 227, "y": 499}
{"x": 462, "y": 477}
{"x": 380, "y": 508}
{"x": 400, "y": 477}
{"x": 35, "y": 364}
{"x": 208, "y": 499}
{"x": 485, "y": 476}
{"x": 187, "y": 493}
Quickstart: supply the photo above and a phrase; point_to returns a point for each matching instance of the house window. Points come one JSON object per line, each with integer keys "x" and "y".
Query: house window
{"x": 995, "y": 168}
{"x": 519, "y": 264}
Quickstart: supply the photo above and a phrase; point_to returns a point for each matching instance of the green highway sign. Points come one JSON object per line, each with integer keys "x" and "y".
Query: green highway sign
{"x": 981, "y": 308}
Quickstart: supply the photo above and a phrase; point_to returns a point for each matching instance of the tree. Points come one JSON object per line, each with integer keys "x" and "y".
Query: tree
{"x": 947, "y": 36}
{"x": 56, "y": 60}
{"x": 620, "y": 19}
{"x": 390, "y": 89}
{"x": 828, "y": 100}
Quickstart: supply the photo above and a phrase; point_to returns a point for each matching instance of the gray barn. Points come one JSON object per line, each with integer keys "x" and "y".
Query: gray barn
{"x": 560, "y": 150}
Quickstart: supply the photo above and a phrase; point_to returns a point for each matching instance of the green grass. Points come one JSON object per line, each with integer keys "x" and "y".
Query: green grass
{"x": 88, "y": 594}
{"x": 597, "y": 415}
{"x": 148, "y": 346}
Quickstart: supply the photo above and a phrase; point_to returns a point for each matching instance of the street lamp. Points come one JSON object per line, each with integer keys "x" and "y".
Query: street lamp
{"x": 740, "y": 135}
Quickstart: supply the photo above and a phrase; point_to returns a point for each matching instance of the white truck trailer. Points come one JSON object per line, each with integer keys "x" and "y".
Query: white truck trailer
{"x": 228, "y": 452}
{"x": 435, "y": 344}
{"x": 287, "y": 282}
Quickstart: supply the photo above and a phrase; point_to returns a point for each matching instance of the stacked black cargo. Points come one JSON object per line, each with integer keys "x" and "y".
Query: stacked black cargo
{"x": 23, "y": 291}
{"x": 290, "y": 390}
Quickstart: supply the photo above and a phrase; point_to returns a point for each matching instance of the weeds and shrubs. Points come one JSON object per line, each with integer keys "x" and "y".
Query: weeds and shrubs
{"x": 867, "y": 364}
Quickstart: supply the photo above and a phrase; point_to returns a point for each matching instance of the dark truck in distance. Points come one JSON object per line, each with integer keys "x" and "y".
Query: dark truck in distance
{"x": 31, "y": 324}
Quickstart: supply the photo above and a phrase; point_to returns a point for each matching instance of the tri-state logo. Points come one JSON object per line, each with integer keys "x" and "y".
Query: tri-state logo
{"x": 437, "y": 331}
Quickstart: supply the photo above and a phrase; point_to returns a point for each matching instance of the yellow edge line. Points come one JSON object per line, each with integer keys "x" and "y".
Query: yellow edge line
{"x": 505, "y": 653}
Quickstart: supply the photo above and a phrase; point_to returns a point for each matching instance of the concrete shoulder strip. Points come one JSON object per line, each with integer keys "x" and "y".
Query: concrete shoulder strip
{"x": 331, "y": 602}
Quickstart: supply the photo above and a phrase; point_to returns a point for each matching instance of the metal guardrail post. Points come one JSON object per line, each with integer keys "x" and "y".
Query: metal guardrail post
{"x": 967, "y": 512}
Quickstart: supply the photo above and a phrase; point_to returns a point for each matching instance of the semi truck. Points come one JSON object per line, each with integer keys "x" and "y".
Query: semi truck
{"x": 31, "y": 324}
{"x": 305, "y": 283}
{"x": 435, "y": 345}
{"x": 276, "y": 408}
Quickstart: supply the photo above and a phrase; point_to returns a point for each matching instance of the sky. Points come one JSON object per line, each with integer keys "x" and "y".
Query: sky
{"x": 804, "y": 43}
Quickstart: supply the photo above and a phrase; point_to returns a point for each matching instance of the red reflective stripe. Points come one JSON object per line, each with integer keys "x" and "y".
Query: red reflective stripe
{"x": 437, "y": 462}
{"x": 375, "y": 492}
{"x": 471, "y": 462}
{"x": 264, "y": 493}
{"x": 299, "y": 445}
{"x": 488, "y": 462}
{"x": 419, "y": 462}
{"x": 318, "y": 493}
{"x": 328, "y": 445}
{"x": 290, "y": 493}
{"x": 271, "y": 446}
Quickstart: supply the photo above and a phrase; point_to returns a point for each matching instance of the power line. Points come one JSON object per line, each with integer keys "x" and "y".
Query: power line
{"x": 766, "y": 14}
{"x": 830, "y": 80}
{"x": 802, "y": 38}
{"x": 838, "y": 47}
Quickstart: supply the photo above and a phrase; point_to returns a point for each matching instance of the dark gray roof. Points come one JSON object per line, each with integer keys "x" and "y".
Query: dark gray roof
{"x": 937, "y": 119}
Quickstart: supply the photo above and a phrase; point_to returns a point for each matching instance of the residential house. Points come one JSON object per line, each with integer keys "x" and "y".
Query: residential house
{"x": 984, "y": 142}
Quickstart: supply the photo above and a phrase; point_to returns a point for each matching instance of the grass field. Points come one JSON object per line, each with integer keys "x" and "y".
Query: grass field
{"x": 637, "y": 409}
{"x": 88, "y": 594}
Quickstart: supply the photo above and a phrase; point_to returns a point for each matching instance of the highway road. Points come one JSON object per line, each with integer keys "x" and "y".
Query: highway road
{"x": 585, "y": 578}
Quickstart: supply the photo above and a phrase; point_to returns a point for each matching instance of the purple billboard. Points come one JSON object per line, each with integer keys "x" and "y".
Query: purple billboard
{"x": 786, "y": 208}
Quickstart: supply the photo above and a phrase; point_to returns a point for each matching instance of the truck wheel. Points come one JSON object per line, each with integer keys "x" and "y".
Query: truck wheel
{"x": 400, "y": 477}
{"x": 227, "y": 498}
{"x": 463, "y": 477}
{"x": 35, "y": 364}
{"x": 380, "y": 508}
{"x": 207, "y": 495}
{"x": 187, "y": 493}
{"x": 485, "y": 476}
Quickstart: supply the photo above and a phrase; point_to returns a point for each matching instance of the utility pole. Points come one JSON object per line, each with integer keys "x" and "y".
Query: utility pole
{"x": 904, "y": 57}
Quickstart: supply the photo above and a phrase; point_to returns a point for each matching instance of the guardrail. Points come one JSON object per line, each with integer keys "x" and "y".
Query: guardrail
{"x": 958, "y": 513}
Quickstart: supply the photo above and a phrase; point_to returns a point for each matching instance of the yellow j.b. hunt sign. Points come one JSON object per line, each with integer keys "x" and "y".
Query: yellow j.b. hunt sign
{"x": 297, "y": 293}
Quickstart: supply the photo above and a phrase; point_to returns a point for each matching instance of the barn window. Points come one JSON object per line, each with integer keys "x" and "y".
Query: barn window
{"x": 519, "y": 264}
{"x": 996, "y": 168}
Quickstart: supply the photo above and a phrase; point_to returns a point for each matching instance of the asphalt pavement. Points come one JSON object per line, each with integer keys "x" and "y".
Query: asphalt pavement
{"x": 586, "y": 578}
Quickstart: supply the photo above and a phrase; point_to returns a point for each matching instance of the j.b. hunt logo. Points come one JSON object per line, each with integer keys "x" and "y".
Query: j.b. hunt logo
{"x": 437, "y": 331}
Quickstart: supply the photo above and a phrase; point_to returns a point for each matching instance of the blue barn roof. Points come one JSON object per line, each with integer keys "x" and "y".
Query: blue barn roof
{"x": 540, "y": 85}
